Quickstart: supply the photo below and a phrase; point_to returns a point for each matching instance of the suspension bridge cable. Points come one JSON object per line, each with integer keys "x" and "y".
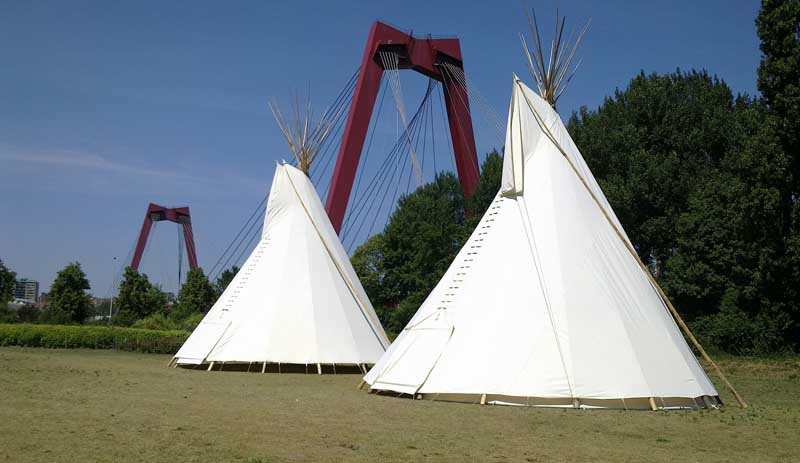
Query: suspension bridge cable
{"x": 369, "y": 143}
{"x": 423, "y": 124}
{"x": 382, "y": 185}
{"x": 391, "y": 62}
{"x": 386, "y": 191}
{"x": 490, "y": 116}
{"x": 249, "y": 246}
{"x": 460, "y": 98}
{"x": 258, "y": 208}
{"x": 445, "y": 123}
{"x": 383, "y": 170}
{"x": 398, "y": 144}
{"x": 433, "y": 139}
{"x": 180, "y": 255}
{"x": 343, "y": 98}
{"x": 247, "y": 233}
{"x": 368, "y": 196}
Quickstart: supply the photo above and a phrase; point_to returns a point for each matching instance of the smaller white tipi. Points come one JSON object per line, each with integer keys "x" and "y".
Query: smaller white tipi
{"x": 297, "y": 299}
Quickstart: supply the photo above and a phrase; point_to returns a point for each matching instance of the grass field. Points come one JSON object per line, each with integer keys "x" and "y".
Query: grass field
{"x": 84, "y": 405}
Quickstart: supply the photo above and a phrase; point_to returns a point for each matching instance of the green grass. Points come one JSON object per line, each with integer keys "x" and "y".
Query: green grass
{"x": 86, "y": 405}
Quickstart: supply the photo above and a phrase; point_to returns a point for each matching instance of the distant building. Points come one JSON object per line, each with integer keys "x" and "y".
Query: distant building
{"x": 27, "y": 289}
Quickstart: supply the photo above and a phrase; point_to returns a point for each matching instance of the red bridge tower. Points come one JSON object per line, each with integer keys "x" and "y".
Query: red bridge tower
{"x": 156, "y": 213}
{"x": 426, "y": 56}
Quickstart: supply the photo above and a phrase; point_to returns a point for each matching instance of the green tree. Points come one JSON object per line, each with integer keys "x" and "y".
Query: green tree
{"x": 647, "y": 146}
{"x": 8, "y": 281}
{"x": 137, "y": 298}
{"x": 28, "y": 313}
{"x": 224, "y": 279}
{"x": 778, "y": 25}
{"x": 697, "y": 178}
{"x": 68, "y": 300}
{"x": 400, "y": 266}
{"x": 197, "y": 295}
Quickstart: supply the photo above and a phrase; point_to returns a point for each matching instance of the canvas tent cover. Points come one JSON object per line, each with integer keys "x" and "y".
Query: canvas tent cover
{"x": 544, "y": 305}
{"x": 296, "y": 299}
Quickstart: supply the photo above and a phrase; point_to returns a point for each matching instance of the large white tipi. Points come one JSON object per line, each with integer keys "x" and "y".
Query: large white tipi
{"x": 546, "y": 304}
{"x": 297, "y": 299}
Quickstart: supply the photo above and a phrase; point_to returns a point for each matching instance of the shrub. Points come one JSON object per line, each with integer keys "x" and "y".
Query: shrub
{"x": 156, "y": 321}
{"x": 92, "y": 337}
{"x": 190, "y": 323}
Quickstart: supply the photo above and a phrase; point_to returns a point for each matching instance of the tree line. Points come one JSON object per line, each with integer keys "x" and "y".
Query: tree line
{"x": 140, "y": 303}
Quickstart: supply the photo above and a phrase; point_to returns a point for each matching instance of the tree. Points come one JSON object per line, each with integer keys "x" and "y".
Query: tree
{"x": 197, "y": 295}
{"x": 224, "y": 279}
{"x": 138, "y": 298}
{"x": 401, "y": 265}
{"x": 697, "y": 178}
{"x": 648, "y": 144}
{"x": 778, "y": 25}
{"x": 8, "y": 281}
{"x": 28, "y": 313}
{"x": 68, "y": 300}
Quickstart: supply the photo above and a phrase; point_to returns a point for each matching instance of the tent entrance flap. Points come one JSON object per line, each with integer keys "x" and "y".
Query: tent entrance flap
{"x": 424, "y": 344}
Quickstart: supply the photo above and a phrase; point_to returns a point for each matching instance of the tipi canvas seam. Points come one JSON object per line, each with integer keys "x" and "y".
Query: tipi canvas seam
{"x": 347, "y": 281}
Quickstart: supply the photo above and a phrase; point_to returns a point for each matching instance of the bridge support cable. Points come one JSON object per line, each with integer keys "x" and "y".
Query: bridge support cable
{"x": 444, "y": 122}
{"x": 490, "y": 116}
{"x": 340, "y": 105}
{"x": 363, "y": 162}
{"x": 247, "y": 234}
{"x": 356, "y": 218}
{"x": 180, "y": 257}
{"x": 368, "y": 195}
{"x": 391, "y": 64}
{"x": 235, "y": 239}
{"x": 399, "y": 151}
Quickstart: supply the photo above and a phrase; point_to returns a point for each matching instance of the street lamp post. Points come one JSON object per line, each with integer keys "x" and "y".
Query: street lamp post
{"x": 113, "y": 272}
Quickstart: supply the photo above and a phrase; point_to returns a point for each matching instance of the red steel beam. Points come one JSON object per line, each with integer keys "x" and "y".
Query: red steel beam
{"x": 156, "y": 213}
{"x": 424, "y": 56}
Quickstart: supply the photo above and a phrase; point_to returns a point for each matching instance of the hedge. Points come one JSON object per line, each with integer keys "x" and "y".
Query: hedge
{"x": 91, "y": 337}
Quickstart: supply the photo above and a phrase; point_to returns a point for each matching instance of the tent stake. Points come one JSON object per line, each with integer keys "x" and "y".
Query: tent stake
{"x": 633, "y": 252}
{"x": 264, "y": 367}
{"x": 210, "y": 366}
{"x": 653, "y": 404}
{"x": 361, "y": 384}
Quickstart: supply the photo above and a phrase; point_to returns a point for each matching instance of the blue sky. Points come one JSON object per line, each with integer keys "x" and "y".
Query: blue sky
{"x": 107, "y": 106}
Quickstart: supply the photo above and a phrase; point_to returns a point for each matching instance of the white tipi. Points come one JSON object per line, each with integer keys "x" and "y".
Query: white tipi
{"x": 545, "y": 304}
{"x": 297, "y": 299}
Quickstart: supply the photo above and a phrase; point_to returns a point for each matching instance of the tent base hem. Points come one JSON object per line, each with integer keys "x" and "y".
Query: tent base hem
{"x": 628, "y": 403}
{"x": 275, "y": 367}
